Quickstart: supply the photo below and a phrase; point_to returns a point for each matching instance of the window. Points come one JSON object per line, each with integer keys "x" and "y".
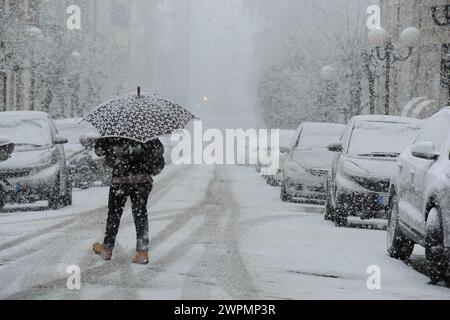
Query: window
{"x": 436, "y": 131}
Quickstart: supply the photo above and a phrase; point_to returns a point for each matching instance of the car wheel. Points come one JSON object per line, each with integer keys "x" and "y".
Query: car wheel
{"x": 398, "y": 246}
{"x": 284, "y": 196}
{"x": 3, "y": 196}
{"x": 54, "y": 199}
{"x": 437, "y": 263}
{"x": 67, "y": 197}
{"x": 341, "y": 215}
{"x": 329, "y": 210}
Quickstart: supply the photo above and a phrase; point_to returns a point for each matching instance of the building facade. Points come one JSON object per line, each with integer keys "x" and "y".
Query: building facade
{"x": 427, "y": 72}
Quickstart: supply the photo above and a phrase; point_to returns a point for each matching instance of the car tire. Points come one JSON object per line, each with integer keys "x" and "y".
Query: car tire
{"x": 329, "y": 211}
{"x": 437, "y": 263}
{"x": 55, "y": 198}
{"x": 284, "y": 196}
{"x": 67, "y": 197}
{"x": 398, "y": 246}
{"x": 3, "y": 196}
{"x": 341, "y": 215}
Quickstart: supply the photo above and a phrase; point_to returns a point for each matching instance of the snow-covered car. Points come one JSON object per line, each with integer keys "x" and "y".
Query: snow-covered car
{"x": 285, "y": 140}
{"x": 419, "y": 205}
{"x": 358, "y": 184}
{"x": 6, "y": 149}
{"x": 308, "y": 162}
{"x": 37, "y": 167}
{"x": 85, "y": 168}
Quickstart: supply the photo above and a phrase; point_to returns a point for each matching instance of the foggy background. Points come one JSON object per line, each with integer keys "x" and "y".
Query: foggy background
{"x": 237, "y": 63}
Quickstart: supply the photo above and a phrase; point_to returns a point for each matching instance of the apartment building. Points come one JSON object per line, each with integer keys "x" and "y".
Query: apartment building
{"x": 426, "y": 75}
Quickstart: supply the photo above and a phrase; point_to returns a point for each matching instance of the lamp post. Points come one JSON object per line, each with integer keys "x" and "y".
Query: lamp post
{"x": 368, "y": 61}
{"x": 386, "y": 51}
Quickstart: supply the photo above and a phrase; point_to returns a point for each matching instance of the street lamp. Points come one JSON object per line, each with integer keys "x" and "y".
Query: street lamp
{"x": 386, "y": 51}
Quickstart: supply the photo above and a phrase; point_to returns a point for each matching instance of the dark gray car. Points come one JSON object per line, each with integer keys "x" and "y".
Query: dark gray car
{"x": 358, "y": 184}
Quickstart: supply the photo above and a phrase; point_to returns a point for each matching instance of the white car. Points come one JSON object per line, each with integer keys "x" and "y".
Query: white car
{"x": 358, "y": 185}
{"x": 36, "y": 169}
{"x": 419, "y": 206}
{"x": 308, "y": 163}
{"x": 286, "y": 137}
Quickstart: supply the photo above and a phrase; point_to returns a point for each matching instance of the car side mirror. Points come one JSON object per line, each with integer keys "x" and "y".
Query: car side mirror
{"x": 285, "y": 150}
{"x": 425, "y": 150}
{"x": 336, "y": 147}
{"x": 89, "y": 141}
{"x": 60, "y": 140}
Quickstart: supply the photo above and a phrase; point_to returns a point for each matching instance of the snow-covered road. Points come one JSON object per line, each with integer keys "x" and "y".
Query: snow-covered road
{"x": 216, "y": 233}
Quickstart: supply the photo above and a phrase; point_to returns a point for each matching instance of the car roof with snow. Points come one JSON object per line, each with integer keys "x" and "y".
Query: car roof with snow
{"x": 322, "y": 125}
{"x": 24, "y": 114}
{"x": 382, "y": 118}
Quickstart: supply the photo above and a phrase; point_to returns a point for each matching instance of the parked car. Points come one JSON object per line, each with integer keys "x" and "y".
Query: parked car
{"x": 6, "y": 149}
{"x": 358, "y": 184}
{"x": 308, "y": 162}
{"x": 419, "y": 198}
{"x": 285, "y": 140}
{"x": 37, "y": 167}
{"x": 85, "y": 168}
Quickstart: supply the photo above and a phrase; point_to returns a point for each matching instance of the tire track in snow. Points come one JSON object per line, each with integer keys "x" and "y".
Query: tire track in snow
{"x": 85, "y": 227}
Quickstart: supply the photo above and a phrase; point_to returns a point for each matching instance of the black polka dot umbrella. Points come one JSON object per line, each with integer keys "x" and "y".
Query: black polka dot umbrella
{"x": 140, "y": 117}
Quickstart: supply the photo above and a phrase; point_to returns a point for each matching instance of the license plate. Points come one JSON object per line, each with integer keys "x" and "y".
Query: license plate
{"x": 382, "y": 200}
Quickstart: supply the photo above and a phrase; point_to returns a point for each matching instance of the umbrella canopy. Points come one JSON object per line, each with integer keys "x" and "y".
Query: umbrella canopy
{"x": 139, "y": 117}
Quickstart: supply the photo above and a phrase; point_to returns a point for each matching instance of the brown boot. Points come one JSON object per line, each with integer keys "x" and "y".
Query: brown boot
{"x": 141, "y": 257}
{"x": 103, "y": 251}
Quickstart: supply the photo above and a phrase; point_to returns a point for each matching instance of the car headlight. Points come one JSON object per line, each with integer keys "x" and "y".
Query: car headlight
{"x": 44, "y": 162}
{"x": 293, "y": 170}
{"x": 351, "y": 169}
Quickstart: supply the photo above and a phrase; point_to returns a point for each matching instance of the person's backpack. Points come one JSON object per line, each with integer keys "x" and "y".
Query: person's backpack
{"x": 156, "y": 148}
{"x": 125, "y": 156}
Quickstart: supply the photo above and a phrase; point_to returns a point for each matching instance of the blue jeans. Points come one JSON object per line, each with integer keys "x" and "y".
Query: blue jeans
{"x": 118, "y": 195}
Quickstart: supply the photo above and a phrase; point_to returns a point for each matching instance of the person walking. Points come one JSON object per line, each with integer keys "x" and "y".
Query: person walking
{"x": 134, "y": 164}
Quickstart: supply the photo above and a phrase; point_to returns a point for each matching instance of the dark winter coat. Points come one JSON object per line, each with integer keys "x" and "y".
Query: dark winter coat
{"x": 131, "y": 161}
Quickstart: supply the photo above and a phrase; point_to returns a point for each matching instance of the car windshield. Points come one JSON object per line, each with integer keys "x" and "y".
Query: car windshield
{"x": 26, "y": 132}
{"x": 318, "y": 138}
{"x": 381, "y": 139}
